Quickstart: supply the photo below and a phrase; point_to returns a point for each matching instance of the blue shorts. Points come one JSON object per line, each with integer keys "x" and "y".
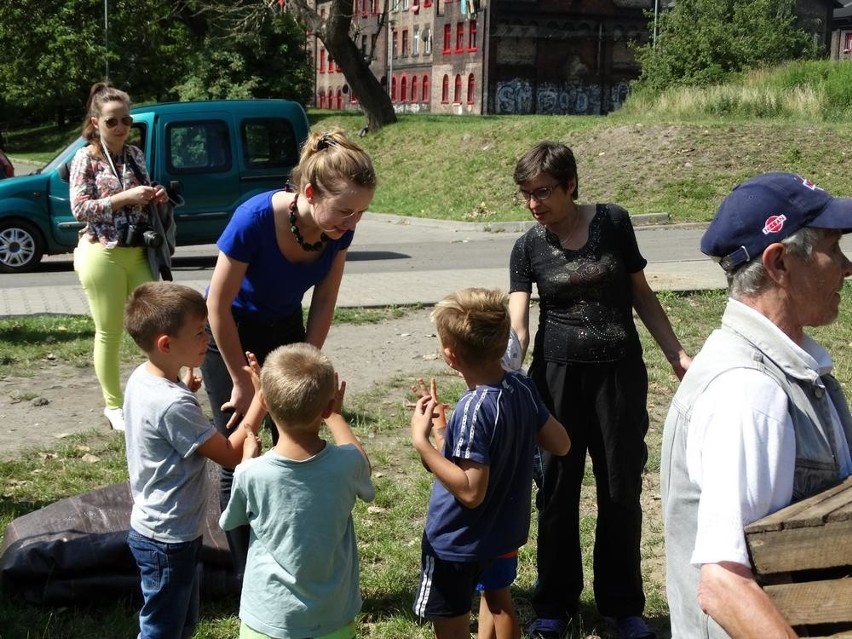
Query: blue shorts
{"x": 501, "y": 573}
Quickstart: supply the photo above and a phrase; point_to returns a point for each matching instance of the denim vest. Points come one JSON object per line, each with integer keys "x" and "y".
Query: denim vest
{"x": 741, "y": 342}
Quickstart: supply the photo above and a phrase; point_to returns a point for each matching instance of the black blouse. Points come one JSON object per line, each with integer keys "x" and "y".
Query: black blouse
{"x": 586, "y": 312}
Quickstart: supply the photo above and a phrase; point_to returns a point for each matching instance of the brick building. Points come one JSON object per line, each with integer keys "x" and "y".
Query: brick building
{"x": 504, "y": 56}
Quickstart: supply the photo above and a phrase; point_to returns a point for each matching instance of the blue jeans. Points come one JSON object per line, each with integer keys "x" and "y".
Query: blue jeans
{"x": 170, "y": 586}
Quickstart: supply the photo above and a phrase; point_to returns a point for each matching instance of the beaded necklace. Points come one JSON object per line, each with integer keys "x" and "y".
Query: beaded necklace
{"x": 316, "y": 246}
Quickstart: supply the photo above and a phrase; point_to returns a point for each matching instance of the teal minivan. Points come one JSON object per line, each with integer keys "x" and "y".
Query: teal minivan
{"x": 216, "y": 154}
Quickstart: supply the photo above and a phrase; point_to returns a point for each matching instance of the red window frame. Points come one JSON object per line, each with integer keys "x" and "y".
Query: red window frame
{"x": 471, "y": 88}
{"x": 471, "y": 36}
{"x": 457, "y": 94}
{"x": 413, "y": 94}
{"x": 448, "y": 35}
{"x": 405, "y": 42}
{"x": 445, "y": 90}
{"x": 460, "y": 36}
{"x": 424, "y": 89}
{"x": 322, "y": 61}
{"x": 393, "y": 88}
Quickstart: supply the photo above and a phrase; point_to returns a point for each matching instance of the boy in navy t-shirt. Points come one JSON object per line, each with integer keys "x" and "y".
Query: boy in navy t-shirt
{"x": 480, "y": 504}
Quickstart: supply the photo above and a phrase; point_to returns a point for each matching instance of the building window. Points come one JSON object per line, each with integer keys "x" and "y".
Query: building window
{"x": 405, "y": 5}
{"x": 427, "y": 3}
{"x": 448, "y": 34}
{"x": 847, "y": 42}
{"x": 375, "y": 7}
{"x": 457, "y": 90}
{"x": 471, "y": 88}
{"x": 321, "y": 100}
{"x": 329, "y": 99}
{"x": 394, "y": 49}
{"x": 395, "y": 6}
{"x": 322, "y": 61}
{"x": 330, "y": 64}
{"x": 471, "y": 36}
{"x": 415, "y": 42}
{"x": 365, "y": 7}
{"x": 424, "y": 89}
{"x": 414, "y": 89}
{"x": 445, "y": 89}
{"x": 339, "y": 100}
{"x": 403, "y": 89}
{"x": 393, "y": 88}
{"x": 460, "y": 36}
{"x": 404, "y": 42}
{"x": 427, "y": 42}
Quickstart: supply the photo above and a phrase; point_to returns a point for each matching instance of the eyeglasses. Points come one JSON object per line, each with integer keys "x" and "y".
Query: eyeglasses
{"x": 540, "y": 194}
{"x": 111, "y": 123}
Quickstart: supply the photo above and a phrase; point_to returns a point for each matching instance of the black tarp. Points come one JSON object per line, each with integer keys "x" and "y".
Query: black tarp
{"x": 75, "y": 550}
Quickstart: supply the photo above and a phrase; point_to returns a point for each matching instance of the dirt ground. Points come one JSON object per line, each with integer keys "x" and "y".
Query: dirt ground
{"x": 58, "y": 399}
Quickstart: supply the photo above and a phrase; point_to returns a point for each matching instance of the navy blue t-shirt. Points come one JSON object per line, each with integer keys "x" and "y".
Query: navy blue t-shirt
{"x": 495, "y": 426}
{"x": 273, "y": 287}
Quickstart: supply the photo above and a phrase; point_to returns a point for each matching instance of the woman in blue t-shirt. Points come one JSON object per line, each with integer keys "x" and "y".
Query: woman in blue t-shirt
{"x": 276, "y": 247}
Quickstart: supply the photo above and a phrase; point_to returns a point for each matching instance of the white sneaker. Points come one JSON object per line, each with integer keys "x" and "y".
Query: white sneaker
{"x": 115, "y": 417}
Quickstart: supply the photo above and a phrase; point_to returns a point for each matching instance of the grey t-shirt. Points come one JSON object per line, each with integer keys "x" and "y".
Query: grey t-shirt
{"x": 164, "y": 427}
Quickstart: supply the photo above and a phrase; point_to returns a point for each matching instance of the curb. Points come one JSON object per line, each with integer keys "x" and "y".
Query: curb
{"x": 642, "y": 219}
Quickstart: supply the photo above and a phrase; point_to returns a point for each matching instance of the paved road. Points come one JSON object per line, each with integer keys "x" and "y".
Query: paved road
{"x": 392, "y": 261}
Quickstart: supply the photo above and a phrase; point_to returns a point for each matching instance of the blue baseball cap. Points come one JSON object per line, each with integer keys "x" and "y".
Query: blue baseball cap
{"x": 767, "y": 209}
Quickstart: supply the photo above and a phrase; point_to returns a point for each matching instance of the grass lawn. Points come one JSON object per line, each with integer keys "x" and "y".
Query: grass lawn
{"x": 389, "y": 529}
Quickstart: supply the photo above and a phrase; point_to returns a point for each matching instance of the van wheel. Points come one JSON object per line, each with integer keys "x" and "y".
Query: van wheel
{"x": 21, "y": 246}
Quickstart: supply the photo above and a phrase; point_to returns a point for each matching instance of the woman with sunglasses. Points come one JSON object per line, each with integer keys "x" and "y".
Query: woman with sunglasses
{"x": 110, "y": 192}
{"x": 587, "y": 364}
{"x": 276, "y": 247}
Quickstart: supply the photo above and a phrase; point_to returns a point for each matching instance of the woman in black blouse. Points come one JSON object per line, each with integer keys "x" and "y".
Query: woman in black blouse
{"x": 587, "y": 364}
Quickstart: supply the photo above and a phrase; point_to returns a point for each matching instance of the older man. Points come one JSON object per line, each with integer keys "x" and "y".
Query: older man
{"x": 758, "y": 421}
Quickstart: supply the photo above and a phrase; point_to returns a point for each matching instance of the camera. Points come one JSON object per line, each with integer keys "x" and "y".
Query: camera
{"x": 143, "y": 235}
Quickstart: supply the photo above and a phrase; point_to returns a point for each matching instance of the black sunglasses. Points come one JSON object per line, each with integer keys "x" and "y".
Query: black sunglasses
{"x": 111, "y": 123}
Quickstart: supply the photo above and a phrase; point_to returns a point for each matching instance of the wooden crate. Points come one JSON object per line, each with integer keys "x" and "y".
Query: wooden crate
{"x": 802, "y": 556}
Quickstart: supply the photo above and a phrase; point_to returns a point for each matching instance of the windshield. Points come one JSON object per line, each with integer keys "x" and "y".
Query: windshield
{"x": 63, "y": 156}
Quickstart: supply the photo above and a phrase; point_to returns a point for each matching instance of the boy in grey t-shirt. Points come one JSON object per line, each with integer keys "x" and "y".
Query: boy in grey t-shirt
{"x": 167, "y": 439}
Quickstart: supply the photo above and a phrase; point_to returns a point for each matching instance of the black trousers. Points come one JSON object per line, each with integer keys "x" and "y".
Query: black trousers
{"x": 261, "y": 338}
{"x": 603, "y": 408}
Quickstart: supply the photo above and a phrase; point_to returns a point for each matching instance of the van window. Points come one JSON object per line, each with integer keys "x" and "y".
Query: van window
{"x": 198, "y": 147}
{"x": 269, "y": 143}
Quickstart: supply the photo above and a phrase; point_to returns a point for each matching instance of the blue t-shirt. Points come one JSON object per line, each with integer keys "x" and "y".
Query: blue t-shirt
{"x": 495, "y": 426}
{"x": 273, "y": 287}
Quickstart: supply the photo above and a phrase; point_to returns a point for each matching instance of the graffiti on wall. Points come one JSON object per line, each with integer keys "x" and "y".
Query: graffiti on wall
{"x": 519, "y": 96}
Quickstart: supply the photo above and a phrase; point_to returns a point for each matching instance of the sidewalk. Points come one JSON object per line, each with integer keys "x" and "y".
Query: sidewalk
{"x": 381, "y": 289}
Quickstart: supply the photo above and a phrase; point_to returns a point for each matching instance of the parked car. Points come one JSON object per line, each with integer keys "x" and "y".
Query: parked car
{"x": 216, "y": 154}
{"x": 6, "y": 168}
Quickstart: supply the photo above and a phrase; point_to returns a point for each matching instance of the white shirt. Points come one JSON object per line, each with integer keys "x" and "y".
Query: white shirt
{"x": 741, "y": 452}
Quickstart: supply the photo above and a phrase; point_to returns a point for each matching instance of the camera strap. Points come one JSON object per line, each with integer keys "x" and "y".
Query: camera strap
{"x": 112, "y": 164}
{"x": 136, "y": 171}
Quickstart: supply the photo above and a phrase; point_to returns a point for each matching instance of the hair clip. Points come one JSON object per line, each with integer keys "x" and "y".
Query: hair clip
{"x": 325, "y": 142}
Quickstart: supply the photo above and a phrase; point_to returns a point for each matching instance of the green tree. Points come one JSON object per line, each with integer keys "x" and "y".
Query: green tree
{"x": 701, "y": 42}
{"x": 335, "y": 30}
{"x": 54, "y": 51}
{"x": 267, "y": 61}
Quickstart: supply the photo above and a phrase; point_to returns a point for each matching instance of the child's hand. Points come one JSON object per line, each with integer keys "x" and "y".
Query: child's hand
{"x": 337, "y": 407}
{"x": 421, "y": 419}
{"x": 253, "y": 369}
{"x": 191, "y": 380}
{"x": 440, "y": 413}
{"x": 251, "y": 445}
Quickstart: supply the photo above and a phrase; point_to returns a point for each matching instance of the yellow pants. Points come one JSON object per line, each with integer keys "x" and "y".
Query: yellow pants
{"x": 108, "y": 276}
{"x": 346, "y": 632}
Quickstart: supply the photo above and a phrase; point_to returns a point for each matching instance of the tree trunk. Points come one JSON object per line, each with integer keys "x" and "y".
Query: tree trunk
{"x": 372, "y": 97}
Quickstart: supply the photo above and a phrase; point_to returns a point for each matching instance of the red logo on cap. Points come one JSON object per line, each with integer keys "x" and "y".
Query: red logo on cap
{"x": 773, "y": 224}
